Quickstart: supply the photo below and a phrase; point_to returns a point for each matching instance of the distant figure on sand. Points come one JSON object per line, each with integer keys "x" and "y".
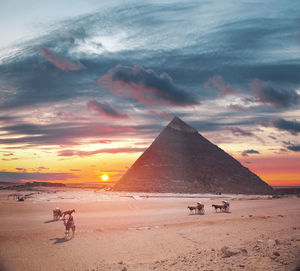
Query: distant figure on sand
{"x": 226, "y": 205}
{"x": 200, "y": 207}
{"x": 56, "y": 213}
{"x": 69, "y": 224}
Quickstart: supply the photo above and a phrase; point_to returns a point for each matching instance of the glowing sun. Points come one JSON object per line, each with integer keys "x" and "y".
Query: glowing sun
{"x": 104, "y": 177}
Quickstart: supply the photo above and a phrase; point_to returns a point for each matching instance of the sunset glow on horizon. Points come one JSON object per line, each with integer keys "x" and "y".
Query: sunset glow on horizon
{"x": 104, "y": 178}
{"x": 86, "y": 90}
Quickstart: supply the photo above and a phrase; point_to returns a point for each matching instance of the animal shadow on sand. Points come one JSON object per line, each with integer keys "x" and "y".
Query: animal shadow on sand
{"x": 50, "y": 221}
{"x": 196, "y": 213}
{"x": 226, "y": 212}
{"x": 60, "y": 240}
{"x": 222, "y": 212}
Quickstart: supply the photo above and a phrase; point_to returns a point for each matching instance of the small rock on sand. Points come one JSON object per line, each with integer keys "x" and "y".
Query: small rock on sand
{"x": 271, "y": 243}
{"x": 143, "y": 228}
{"x": 229, "y": 251}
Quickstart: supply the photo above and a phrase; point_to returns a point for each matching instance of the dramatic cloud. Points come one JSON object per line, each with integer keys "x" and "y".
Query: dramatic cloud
{"x": 236, "y": 107}
{"x": 237, "y": 48}
{"x": 218, "y": 82}
{"x": 146, "y": 86}
{"x": 42, "y": 168}
{"x": 89, "y": 153}
{"x": 26, "y": 176}
{"x": 279, "y": 98}
{"x": 104, "y": 141}
{"x": 295, "y": 148}
{"x": 161, "y": 114}
{"x": 246, "y": 152}
{"x": 8, "y": 154}
{"x": 10, "y": 159}
{"x": 105, "y": 109}
{"x": 239, "y": 132}
{"x": 21, "y": 169}
{"x": 67, "y": 133}
{"x": 70, "y": 116}
{"x": 77, "y": 34}
{"x": 291, "y": 126}
{"x": 60, "y": 61}
{"x": 292, "y": 147}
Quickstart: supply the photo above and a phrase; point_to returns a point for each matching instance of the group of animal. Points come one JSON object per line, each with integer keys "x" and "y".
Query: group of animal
{"x": 68, "y": 222}
{"x": 199, "y": 208}
{"x": 57, "y": 213}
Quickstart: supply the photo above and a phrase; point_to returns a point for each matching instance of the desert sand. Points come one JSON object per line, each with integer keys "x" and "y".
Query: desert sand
{"x": 115, "y": 231}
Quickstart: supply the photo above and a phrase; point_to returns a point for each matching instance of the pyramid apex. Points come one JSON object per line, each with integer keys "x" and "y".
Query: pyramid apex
{"x": 179, "y": 125}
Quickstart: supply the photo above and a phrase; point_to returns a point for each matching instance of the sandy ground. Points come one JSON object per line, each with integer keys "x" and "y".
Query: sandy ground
{"x": 123, "y": 233}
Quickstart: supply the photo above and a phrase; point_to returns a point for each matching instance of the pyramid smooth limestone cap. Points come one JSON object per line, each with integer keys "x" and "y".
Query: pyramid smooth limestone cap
{"x": 179, "y": 125}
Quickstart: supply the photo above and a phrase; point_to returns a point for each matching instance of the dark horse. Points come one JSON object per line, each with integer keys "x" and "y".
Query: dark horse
{"x": 70, "y": 225}
{"x": 223, "y": 207}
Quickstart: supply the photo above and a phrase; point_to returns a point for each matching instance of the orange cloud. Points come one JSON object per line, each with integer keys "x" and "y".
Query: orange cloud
{"x": 60, "y": 61}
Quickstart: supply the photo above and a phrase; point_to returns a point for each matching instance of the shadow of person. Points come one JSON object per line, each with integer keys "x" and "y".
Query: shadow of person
{"x": 59, "y": 240}
{"x": 50, "y": 221}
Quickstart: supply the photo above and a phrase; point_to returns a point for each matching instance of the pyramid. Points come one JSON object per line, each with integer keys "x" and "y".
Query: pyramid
{"x": 180, "y": 160}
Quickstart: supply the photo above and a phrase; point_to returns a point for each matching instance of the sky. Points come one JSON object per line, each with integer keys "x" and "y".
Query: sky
{"x": 86, "y": 86}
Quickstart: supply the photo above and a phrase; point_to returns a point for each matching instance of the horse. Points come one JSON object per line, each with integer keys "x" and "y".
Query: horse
{"x": 217, "y": 206}
{"x": 192, "y": 208}
{"x": 68, "y": 212}
{"x": 223, "y": 207}
{"x": 56, "y": 213}
{"x": 199, "y": 208}
{"x": 69, "y": 225}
